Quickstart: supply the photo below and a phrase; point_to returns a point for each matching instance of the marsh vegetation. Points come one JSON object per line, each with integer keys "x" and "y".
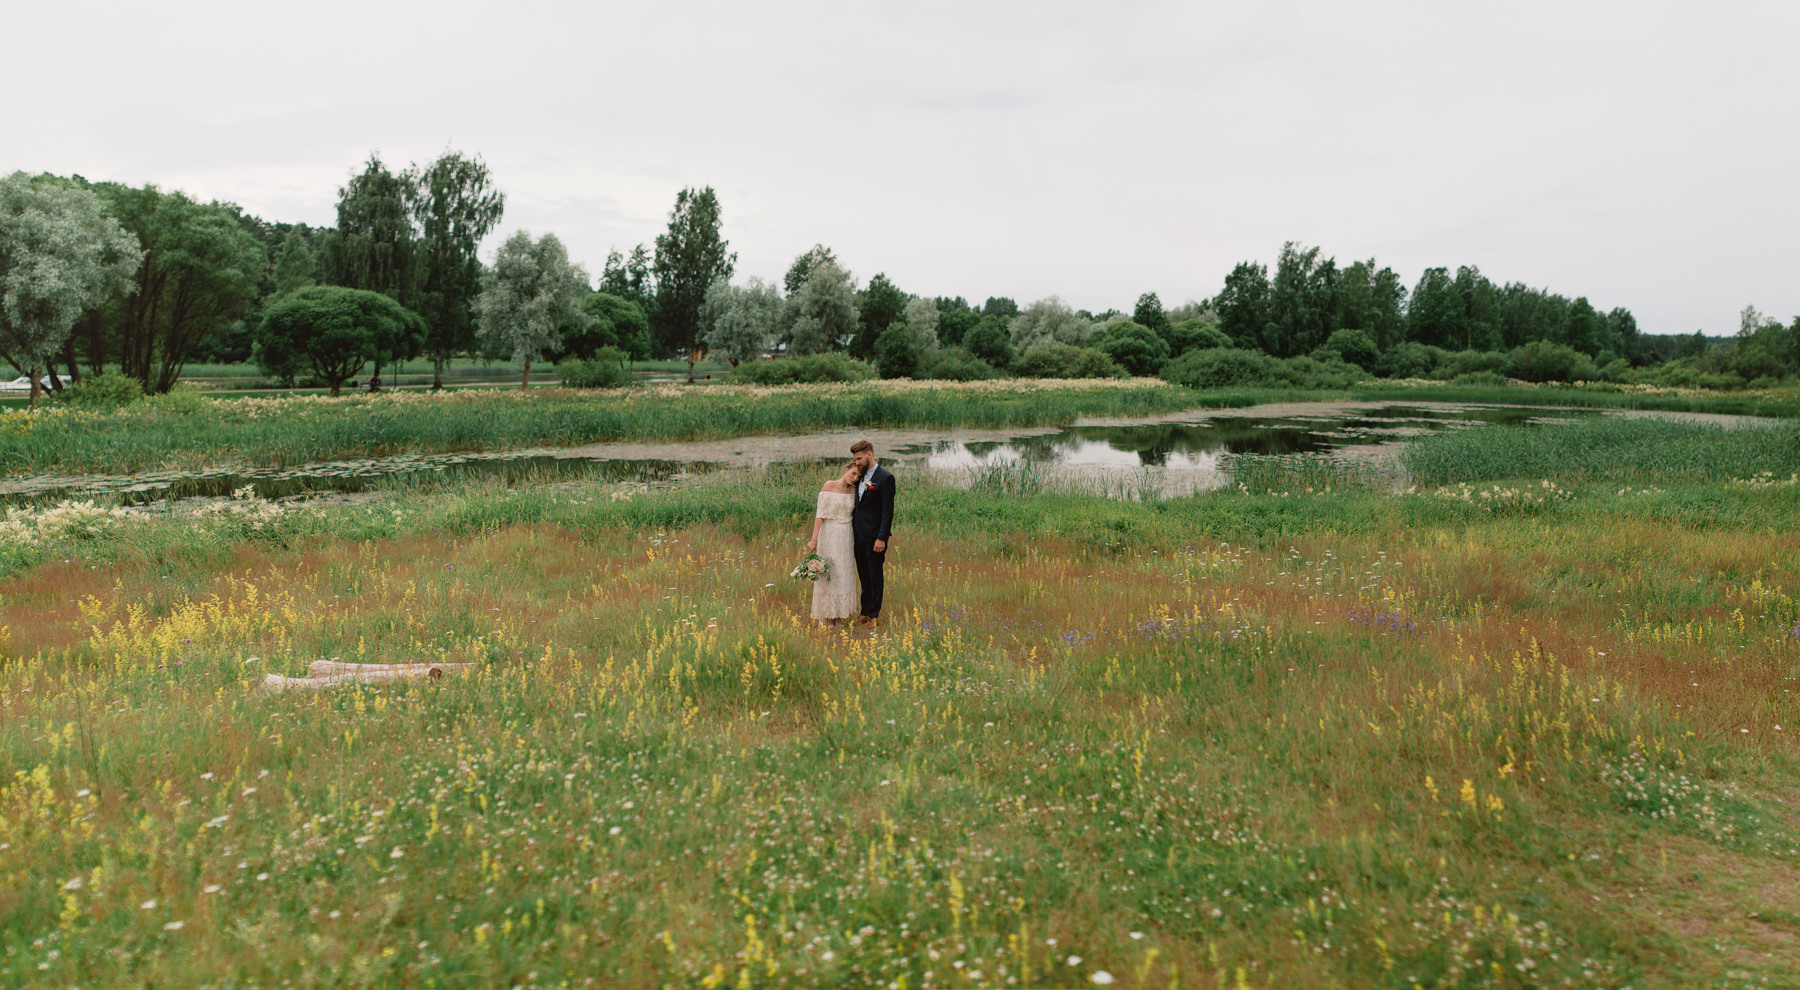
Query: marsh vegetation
{"x": 1526, "y": 723}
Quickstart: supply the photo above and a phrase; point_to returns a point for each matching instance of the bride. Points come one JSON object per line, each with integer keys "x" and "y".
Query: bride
{"x": 834, "y": 595}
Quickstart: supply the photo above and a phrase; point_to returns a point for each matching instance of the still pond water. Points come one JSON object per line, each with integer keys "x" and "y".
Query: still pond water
{"x": 1171, "y": 455}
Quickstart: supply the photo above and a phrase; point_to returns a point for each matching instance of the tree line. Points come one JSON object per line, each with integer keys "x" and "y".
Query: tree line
{"x": 105, "y": 275}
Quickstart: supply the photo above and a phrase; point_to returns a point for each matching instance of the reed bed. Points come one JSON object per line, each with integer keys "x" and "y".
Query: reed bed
{"x": 191, "y": 431}
{"x": 1307, "y": 731}
{"x": 1609, "y": 450}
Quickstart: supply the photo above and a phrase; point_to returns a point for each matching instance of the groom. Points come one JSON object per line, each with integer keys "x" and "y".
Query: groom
{"x": 870, "y": 526}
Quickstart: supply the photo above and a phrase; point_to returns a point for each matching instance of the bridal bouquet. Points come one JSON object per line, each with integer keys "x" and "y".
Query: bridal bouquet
{"x": 811, "y": 567}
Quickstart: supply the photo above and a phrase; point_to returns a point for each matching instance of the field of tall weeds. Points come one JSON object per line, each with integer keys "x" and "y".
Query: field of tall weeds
{"x": 1497, "y": 731}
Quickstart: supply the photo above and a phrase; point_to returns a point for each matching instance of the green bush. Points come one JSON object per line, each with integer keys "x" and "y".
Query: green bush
{"x": 1196, "y": 335}
{"x": 1455, "y": 365}
{"x": 182, "y": 400}
{"x": 1354, "y": 346}
{"x": 830, "y": 367}
{"x": 1222, "y": 367}
{"x": 1226, "y": 367}
{"x": 1411, "y": 360}
{"x": 1133, "y": 346}
{"x": 1066, "y": 361}
{"x": 955, "y": 364}
{"x": 1543, "y": 361}
{"x": 107, "y": 391}
{"x": 606, "y": 369}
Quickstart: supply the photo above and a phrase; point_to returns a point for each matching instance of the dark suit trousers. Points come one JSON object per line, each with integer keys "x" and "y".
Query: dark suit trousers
{"x": 868, "y": 576}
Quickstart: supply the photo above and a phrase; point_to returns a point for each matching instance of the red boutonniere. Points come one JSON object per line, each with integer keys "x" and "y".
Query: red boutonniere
{"x": 870, "y": 488}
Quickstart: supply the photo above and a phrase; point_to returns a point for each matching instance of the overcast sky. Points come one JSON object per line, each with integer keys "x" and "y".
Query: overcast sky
{"x": 1641, "y": 154}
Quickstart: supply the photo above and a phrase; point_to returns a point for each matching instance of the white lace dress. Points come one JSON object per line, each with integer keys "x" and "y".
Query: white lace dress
{"x": 834, "y": 596}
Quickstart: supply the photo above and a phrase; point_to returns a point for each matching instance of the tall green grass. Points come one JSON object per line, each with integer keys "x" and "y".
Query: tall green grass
{"x": 279, "y": 432}
{"x": 1611, "y": 450}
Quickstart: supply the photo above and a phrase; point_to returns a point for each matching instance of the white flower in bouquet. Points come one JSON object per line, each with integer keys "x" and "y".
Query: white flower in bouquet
{"x": 811, "y": 567}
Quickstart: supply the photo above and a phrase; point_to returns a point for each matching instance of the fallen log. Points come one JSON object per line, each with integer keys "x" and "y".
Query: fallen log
{"x": 332, "y": 673}
{"x": 325, "y": 668}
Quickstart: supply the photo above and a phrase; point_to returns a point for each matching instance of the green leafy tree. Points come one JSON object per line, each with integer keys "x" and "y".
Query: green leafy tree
{"x": 615, "y": 322}
{"x": 897, "y": 351}
{"x": 1436, "y": 317}
{"x": 1481, "y": 310}
{"x": 294, "y": 265}
{"x": 741, "y": 322}
{"x": 1243, "y": 304}
{"x": 1149, "y": 313}
{"x": 1000, "y": 306}
{"x": 199, "y": 277}
{"x": 922, "y": 316}
{"x": 1048, "y": 321}
{"x": 803, "y": 266}
{"x": 822, "y": 314}
{"x": 1302, "y": 302}
{"x": 373, "y": 247}
{"x": 955, "y": 319}
{"x": 1132, "y": 346}
{"x": 60, "y": 254}
{"x": 880, "y": 306}
{"x": 688, "y": 258}
{"x": 333, "y": 331}
{"x": 527, "y": 297}
{"x": 1581, "y": 327}
{"x": 453, "y": 204}
{"x": 988, "y": 341}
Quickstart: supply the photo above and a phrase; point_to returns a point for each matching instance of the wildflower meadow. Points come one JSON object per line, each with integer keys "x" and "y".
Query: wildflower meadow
{"x": 1528, "y": 722}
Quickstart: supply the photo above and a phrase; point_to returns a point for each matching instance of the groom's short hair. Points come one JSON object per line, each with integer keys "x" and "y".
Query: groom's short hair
{"x": 862, "y": 445}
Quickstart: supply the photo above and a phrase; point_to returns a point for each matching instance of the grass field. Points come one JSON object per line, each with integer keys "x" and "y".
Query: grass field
{"x": 1528, "y": 724}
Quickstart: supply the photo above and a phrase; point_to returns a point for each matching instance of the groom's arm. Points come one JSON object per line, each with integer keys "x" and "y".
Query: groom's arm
{"x": 885, "y": 531}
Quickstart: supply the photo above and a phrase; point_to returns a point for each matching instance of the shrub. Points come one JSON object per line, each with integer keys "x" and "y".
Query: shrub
{"x": 1066, "y": 361}
{"x": 1223, "y": 367}
{"x": 1543, "y": 361}
{"x": 1454, "y": 366}
{"x": 1355, "y": 346}
{"x": 956, "y": 365}
{"x": 828, "y": 367}
{"x": 1133, "y": 346}
{"x": 606, "y": 369}
{"x": 1411, "y": 360}
{"x": 182, "y": 400}
{"x": 107, "y": 391}
{"x": 1196, "y": 335}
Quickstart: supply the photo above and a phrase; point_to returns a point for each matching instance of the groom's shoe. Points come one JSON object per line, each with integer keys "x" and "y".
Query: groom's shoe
{"x": 863, "y": 620}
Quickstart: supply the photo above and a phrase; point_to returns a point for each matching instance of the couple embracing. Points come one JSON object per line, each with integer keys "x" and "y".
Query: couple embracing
{"x": 851, "y": 529}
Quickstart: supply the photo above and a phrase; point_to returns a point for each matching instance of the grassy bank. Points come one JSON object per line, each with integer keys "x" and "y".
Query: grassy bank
{"x": 1525, "y": 731}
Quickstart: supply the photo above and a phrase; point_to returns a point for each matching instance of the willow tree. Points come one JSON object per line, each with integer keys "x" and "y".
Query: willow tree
{"x": 528, "y": 296}
{"x": 59, "y": 255}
